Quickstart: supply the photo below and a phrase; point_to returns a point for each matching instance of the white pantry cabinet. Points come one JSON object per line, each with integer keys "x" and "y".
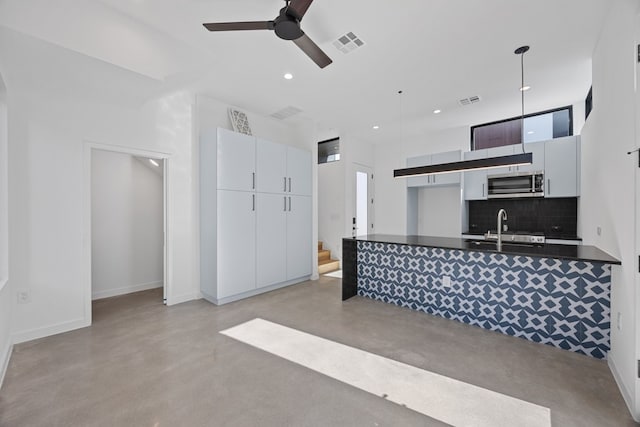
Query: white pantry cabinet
{"x": 236, "y": 242}
{"x": 236, "y": 159}
{"x": 255, "y": 226}
{"x": 282, "y": 169}
{"x": 298, "y": 236}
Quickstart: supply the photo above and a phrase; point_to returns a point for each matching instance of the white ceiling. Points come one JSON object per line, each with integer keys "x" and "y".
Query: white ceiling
{"x": 436, "y": 51}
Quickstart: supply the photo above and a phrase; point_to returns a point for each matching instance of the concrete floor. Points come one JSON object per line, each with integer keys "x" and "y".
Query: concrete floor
{"x": 144, "y": 364}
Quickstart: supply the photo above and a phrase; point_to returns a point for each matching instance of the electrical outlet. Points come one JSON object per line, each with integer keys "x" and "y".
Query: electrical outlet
{"x": 619, "y": 321}
{"x": 599, "y": 231}
{"x": 446, "y": 281}
{"x": 23, "y": 297}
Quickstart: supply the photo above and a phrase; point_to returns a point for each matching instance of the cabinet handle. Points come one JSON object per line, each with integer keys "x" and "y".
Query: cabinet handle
{"x": 285, "y": 203}
{"x": 483, "y": 190}
{"x": 253, "y": 180}
{"x": 253, "y": 202}
{"x": 434, "y": 179}
{"x": 289, "y": 184}
{"x": 285, "y": 184}
{"x": 289, "y": 203}
{"x": 548, "y": 186}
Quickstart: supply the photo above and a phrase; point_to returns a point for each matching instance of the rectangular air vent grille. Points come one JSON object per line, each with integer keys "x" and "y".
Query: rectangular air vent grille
{"x": 286, "y": 112}
{"x": 348, "y": 43}
{"x": 470, "y": 100}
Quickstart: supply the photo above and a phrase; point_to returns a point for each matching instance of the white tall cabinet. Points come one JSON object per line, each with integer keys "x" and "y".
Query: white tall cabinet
{"x": 255, "y": 216}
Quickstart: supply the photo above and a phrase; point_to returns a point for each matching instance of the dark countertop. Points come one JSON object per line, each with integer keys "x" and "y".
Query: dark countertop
{"x": 570, "y": 252}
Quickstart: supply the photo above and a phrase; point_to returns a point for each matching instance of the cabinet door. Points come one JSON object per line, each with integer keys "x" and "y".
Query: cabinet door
{"x": 271, "y": 167}
{"x": 445, "y": 178}
{"x": 299, "y": 171}
{"x": 506, "y": 150}
{"x": 271, "y": 235}
{"x": 418, "y": 181}
{"x": 561, "y": 168}
{"x": 298, "y": 236}
{"x": 236, "y": 242}
{"x": 236, "y": 161}
{"x": 475, "y": 181}
{"x": 537, "y": 148}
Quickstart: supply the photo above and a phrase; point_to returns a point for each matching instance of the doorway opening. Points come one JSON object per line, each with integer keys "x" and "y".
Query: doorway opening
{"x": 362, "y": 221}
{"x": 127, "y": 202}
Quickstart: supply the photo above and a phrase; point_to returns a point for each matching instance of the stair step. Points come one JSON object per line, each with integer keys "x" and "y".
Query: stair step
{"x": 324, "y": 254}
{"x": 327, "y": 266}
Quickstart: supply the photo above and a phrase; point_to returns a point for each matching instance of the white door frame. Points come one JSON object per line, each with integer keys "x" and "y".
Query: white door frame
{"x": 86, "y": 236}
{"x": 358, "y": 167}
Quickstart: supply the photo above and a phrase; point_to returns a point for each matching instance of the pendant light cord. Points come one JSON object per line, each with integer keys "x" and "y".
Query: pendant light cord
{"x": 522, "y": 100}
{"x": 521, "y": 51}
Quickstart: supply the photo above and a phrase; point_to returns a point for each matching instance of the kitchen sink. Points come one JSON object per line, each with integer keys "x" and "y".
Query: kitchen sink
{"x": 493, "y": 245}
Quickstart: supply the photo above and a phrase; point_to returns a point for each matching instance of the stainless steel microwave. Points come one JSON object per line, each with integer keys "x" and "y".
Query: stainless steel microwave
{"x": 524, "y": 184}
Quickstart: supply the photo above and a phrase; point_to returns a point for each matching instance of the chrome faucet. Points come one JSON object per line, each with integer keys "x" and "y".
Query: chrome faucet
{"x": 502, "y": 215}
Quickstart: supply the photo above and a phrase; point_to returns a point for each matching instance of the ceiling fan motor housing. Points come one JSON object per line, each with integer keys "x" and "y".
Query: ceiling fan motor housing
{"x": 287, "y": 27}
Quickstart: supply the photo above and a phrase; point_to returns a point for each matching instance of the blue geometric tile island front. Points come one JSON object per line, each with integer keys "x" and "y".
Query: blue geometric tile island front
{"x": 552, "y": 301}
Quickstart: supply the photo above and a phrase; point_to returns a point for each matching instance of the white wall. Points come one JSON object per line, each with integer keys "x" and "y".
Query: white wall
{"x": 439, "y": 211}
{"x": 331, "y": 206}
{"x": 391, "y": 193}
{"x": 6, "y": 295}
{"x": 608, "y": 174}
{"x": 337, "y": 192}
{"x": 126, "y": 225}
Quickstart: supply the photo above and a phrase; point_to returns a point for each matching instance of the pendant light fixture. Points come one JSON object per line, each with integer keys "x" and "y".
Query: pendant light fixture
{"x": 486, "y": 163}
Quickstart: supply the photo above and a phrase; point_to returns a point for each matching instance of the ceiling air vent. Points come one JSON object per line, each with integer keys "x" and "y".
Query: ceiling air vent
{"x": 347, "y": 43}
{"x": 286, "y": 112}
{"x": 470, "y": 100}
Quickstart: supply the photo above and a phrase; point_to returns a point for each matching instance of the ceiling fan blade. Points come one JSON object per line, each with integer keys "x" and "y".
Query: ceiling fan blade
{"x": 313, "y": 51}
{"x": 239, "y": 26}
{"x": 298, "y": 8}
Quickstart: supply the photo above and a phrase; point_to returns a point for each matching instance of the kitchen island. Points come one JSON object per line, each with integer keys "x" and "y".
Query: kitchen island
{"x": 553, "y": 294}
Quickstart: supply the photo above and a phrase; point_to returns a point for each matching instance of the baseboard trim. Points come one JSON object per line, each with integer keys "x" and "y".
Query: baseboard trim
{"x": 5, "y": 362}
{"x": 626, "y": 395}
{"x": 254, "y": 292}
{"x": 59, "y": 328}
{"x": 126, "y": 290}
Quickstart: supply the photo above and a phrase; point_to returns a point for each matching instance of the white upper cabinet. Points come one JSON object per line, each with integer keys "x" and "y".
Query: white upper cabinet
{"x": 434, "y": 179}
{"x": 562, "y": 167}
{"x": 271, "y": 167}
{"x": 298, "y": 171}
{"x": 537, "y": 149}
{"x": 445, "y": 178}
{"x": 236, "y": 160}
{"x": 475, "y": 181}
{"x": 418, "y": 181}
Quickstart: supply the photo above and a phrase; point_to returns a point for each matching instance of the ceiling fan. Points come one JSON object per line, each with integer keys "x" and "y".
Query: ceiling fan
{"x": 287, "y": 27}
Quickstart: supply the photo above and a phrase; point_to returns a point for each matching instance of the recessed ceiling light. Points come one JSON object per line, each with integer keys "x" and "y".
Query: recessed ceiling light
{"x": 154, "y": 163}
{"x": 376, "y": 127}
{"x": 525, "y": 88}
{"x": 288, "y": 76}
{"x": 437, "y": 111}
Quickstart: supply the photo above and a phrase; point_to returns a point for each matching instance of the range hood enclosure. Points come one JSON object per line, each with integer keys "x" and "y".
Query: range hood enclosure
{"x": 461, "y": 166}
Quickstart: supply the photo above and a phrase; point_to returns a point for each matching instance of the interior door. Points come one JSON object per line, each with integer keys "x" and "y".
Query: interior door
{"x": 363, "y": 201}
